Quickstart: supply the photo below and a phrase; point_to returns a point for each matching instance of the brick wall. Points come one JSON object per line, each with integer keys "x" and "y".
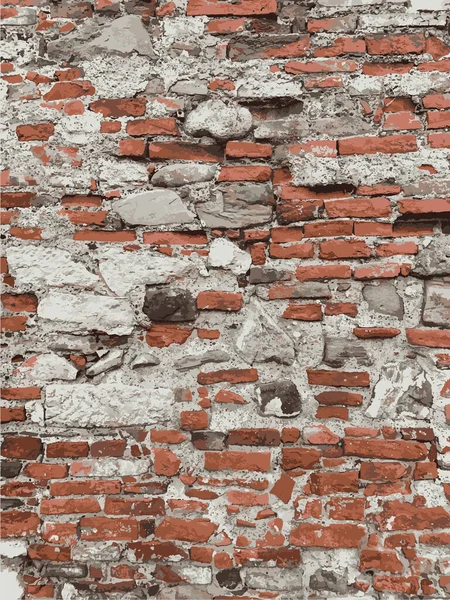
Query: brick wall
{"x": 226, "y": 296}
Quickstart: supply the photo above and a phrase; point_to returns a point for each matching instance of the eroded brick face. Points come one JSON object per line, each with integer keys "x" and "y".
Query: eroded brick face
{"x": 226, "y": 299}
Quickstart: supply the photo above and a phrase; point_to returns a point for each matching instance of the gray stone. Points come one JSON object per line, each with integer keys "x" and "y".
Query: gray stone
{"x": 434, "y": 260}
{"x": 236, "y": 206}
{"x": 48, "y": 366}
{"x": 436, "y": 309}
{"x": 145, "y": 359}
{"x": 194, "y": 87}
{"x": 277, "y": 579}
{"x": 196, "y": 360}
{"x": 279, "y": 399}
{"x": 83, "y": 313}
{"x": 260, "y": 339}
{"x": 226, "y": 255}
{"x": 155, "y": 207}
{"x": 267, "y": 275}
{"x": 330, "y": 581}
{"x": 403, "y": 387}
{"x": 123, "y": 36}
{"x": 170, "y": 305}
{"x": 311, "y": 289}
{"x": 339, "y": 350}
{"x": 282, "y": 129}
{"x": 244, "y": 48}
{"x": 384, "y": 299}
{"x": 184, "y": 174}
{"x": 221, "y": 121}
{"x": 69, "y": 571}
{"x": 112, "y": 360}
{"x": 41, "y": 266}
{"x": 208, "y": 440}
{"x": 72, "y": 343}
{"x": 10, "y": 468}
{"x": 229, "y": 578}
{"x": 107, "y": 405}
{"x": 26, "y": 16}
{"x": 100, "y": 551}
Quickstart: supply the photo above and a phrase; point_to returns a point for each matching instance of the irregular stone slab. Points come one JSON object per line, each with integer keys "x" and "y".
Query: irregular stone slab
{"x": 39, "y": 266}
{"x": 221, "y": 121}
{"x": 73, "y": 343}
{"x": 282, "y": 46}
{"x": 226, "y": 255}
{"x": 172, "y": 305}
{"x": 229, "y": 578}
{"x": 436, "y": 309}
{"x": 403, "y": 386}
{"x": 339, "y": 350}
{"x": 237, "y": 206}
{"x": 195, "y": 360}
{"x": 123, "y": 36}
{"x": 156, "y": 207}
{"x": 107, "y": 405}
{"x": 112, "y": 360}
{"x": 267, "y": 275}
{"x": 84, "y": 313}
{"x": 434, "y": 260}
{"x": 384, "y": 299}
{"x": 124, "y": 271}
{"x": 96, "y": 552}
{"x": 260, "y": 339}
{"x": 184, "y": 174}
{"x": 145, "y": 359}
{"x": 330, "y": 581}
{"x": 279, "y": 399}
{"x": 46, "y": 367}
{"x": 277, "y": 579}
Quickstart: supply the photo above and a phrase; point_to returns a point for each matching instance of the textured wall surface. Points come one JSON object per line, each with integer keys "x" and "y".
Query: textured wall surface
{"x": 226, "y": 296}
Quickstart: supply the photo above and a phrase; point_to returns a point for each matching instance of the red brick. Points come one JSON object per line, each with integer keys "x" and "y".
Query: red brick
{"x": 67, "y": 450}
{"x": 166, "y": 462}
{"x": 27, "y": 448}
{"x": 63, "y": 506}
{"x": 237, "y": 461}
{"x": 346, "y": 509}
{"x": 80, "y": 488}
{"x": 382, "y": 44}
{"x": 163, "y": 335}
{"x": 379, "y": 560}
{"x": 430, "y": 338}
{"x": 303, "y": 312}
{"x": 338, "y": 249}
{"x": 402, "y": 585}
{"x": 228, "y": 375}
{"x": 195, "y": 530}
{"x": 69, "y": 89}
{"x": 358, "y": 207}
{"x": 304, "y": 458}
{"x": 338, "y": 378}
{"x": 17, "y": 199}
{"x": 185, "y": 151}
{"x": 106, "y": 528}
{"x": 245, "y": 173}
{"x": 422, "y": 206}
{"x": 119, "y": 107}
{"x": 341, "y": 308}
{"x": 8, "y": 415}
{"x": 135, "y": 506}
{"x": 39, "y": 132}
{"x": 387, "y": 449}
{"x": 371, "y": 145}
{"x": 248, "y": 149}
{"x": 253, "y": 437}
{"x": 225, "y": 26}
{"x": 193, "y": 420}
{"x": 291, "y": 251}
{"x": 166, "y": 126}
{"x": 438, "y": 119}
{"x": 218, "y": 300}
{"x": 215, "y": 8}
{"x": 22, "y": 393}
{"x": 16, "y": 523}
{"x": 323, "y": 272}
{"x": 328, "y": 229}
{"x": 375, "y": 332}
{"x": 332, "y": 536}
{"x": 46, "y": 471}
{"x": 324, "y": 483}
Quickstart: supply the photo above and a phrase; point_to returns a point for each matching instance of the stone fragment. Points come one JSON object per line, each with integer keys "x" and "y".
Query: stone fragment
{"x": 226, "y": 255}
{"x": 260, "y": 339}
{"x": 277, "y": 579}
{"x": 73, "y": 343}
{"x": 10, "y": 468}
{"x": 96, "y": 552}
{"x": 267, "y": 275}
{"x": 122, "y": 36}
{"x": 69, "y": 571}
{"x": 221, "y": 121}
{"x": 208, "y": 440}
{"x": 436, "y": 309}
{"x": 46, "y": 367}
{"x": 384, "y": 299}
{"x": 145, "y": 359}
{"x": 339, "y": 350}
{"x": 124, "y": 271}
{"x": 234, "y": 206}
{"x": 106, "y": 405}
{"x": 403, "y": 387}
{"x": 84, "y": 313}
{"x": 193, "y": 361}
{"x": 172, "y": 305}
{"x": 112, "y": 360}
{"x": 279, "y": 399}
{"x": 183, "y": 174}
{"x": 433, "y": 260}
{"x": 40, "y": 266}
{"x": 229, "y": 578}
{"x": 330, "y": 581}
{"x": 155, "y": 207}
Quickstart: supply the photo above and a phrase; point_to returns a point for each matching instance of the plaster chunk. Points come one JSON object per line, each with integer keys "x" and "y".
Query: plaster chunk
{"x": 193, "y": 361}
{"x": 85, "y": 312}
{"x": 226, "y": 255}
{"x": 41, "y": 266}
{"x": 184, "y": 174}
{"x": 106, "y": 405}
{"x": 155, "y": 207}
{"x": 219, "y": 120}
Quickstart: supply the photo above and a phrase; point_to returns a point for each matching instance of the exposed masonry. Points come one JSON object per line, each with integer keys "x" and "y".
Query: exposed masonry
{"x": 226, "y": 296}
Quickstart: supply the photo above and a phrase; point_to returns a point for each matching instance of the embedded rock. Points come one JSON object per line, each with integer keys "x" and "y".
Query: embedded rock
{"x": 46, "y": 367}
{"x": 260, "y": 339}
{"x": 277, "y": 579}
{"x": 221, "y": 121}
{"x": 183, "y": 174}
{"x": 330, "y": 581}
{"x": 107, "y": 405}
{"x": 279, "y": 399}
{"x": 436, "y": 309}
{"x": 112, "y": 360}
{"x": 403, "y": 387}
{"x": 170, "y": 305}
{"x": 84, "y": 313}
{"x": 226, "y": 255}
{"x": 433, "y": 260}
{"x": 145, "y": 359}
{"x": 123, "y": 36}
{"x": 339, "y": 350}
{"x": 42, "y": 266}
{"x": 156, "y": 207}
{"x": 384, "y": 299}
{"x": 193, "y": 361}
{"x": 236, "y": 205}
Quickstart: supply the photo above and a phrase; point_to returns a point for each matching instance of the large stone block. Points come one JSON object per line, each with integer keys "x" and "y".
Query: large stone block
{"x": 436, "y": 309}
